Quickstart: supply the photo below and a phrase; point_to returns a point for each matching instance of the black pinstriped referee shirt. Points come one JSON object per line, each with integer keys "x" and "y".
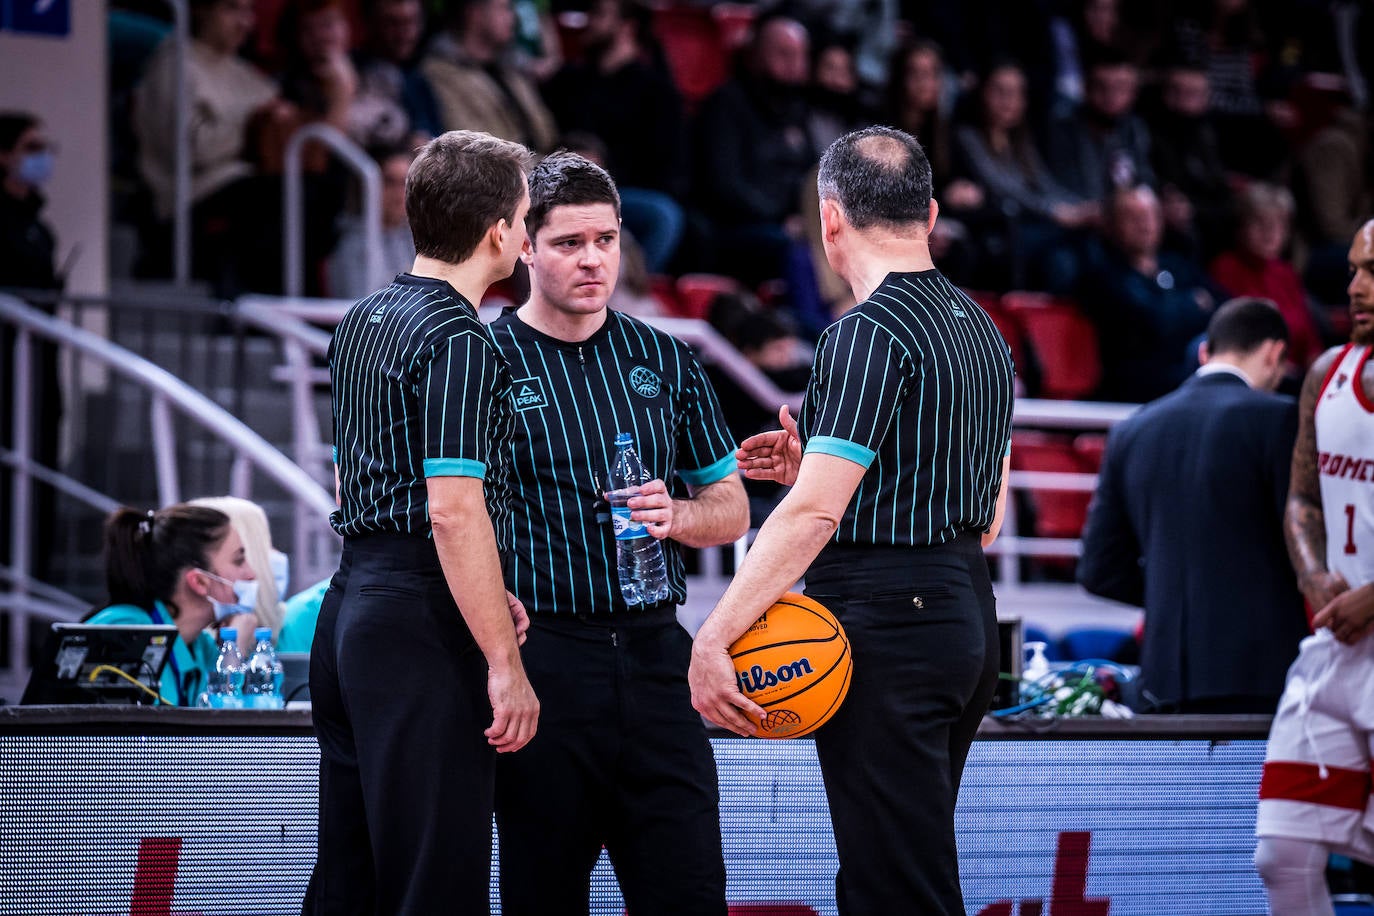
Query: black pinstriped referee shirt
{"x": 571, "y": 399}
{"x": 418, "y": 391}
{"x": 915, "y": 384}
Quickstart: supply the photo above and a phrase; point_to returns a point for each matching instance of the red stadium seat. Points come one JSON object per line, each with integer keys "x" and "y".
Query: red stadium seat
{"x": 696, "y": 292}
{"x": 1058, "y": 514}
{"x": 1007, "y": 325}
{"x": 1091, "y": 447}
{"x": 697, "y": 53}
{"x": 1064, "y": 341}
{"x": 664, "y": 290}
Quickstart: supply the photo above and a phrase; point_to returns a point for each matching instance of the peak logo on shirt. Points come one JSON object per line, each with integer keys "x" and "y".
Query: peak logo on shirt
{"x": 377, "y": 313}
{"x": 644, "y": 382}
{"x": 528, "y": 393}
{"x": 956, "y": 309}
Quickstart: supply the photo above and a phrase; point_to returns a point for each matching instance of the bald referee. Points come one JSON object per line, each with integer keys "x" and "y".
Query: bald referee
{"x": 899, "y": 468}
{"x": 621, "y": 759}
{"x": 415, "y": 675}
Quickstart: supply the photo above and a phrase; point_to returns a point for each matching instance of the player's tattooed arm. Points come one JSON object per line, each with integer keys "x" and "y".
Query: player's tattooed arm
{"x": 1304, "y": 527}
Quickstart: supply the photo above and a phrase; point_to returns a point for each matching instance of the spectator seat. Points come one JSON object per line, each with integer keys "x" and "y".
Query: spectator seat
{"x": 1064, "y": 341}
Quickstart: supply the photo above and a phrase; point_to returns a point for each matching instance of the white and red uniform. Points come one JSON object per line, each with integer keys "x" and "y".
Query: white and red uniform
{"x": 1316, "y": 783}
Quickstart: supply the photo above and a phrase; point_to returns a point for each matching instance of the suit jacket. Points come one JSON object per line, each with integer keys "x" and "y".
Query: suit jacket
{"x": 1187, "y": 523}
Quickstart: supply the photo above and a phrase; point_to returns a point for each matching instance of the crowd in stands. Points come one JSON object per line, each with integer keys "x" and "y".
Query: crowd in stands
{"x": 1142, "y": 160}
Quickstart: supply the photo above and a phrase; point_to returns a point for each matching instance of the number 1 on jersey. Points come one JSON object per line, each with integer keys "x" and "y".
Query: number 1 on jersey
{"x": 1349, "y": 529}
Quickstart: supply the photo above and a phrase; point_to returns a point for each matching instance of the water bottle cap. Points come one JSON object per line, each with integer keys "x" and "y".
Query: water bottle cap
{"x": 622, "y": 439}
{"x": 263, "y": 633}
{"x": 228, "y": 634}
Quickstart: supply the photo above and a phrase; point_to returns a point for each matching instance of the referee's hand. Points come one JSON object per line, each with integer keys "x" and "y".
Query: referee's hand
{"x": 514, "y": 707}
{"x": 774, "y": 455}
{"x": 653, "y": 505}
{"x": 716, "y": 694}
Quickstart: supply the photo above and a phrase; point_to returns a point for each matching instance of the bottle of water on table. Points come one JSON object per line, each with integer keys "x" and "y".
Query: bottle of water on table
{"x": 226, "y": 680}
{"x": 263, "y": 679}
{"x": 639, "y": 556}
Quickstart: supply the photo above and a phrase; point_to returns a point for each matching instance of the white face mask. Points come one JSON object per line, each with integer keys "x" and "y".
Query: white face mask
{"x": 245, "y": 594}
{"x": 281, "y": 572}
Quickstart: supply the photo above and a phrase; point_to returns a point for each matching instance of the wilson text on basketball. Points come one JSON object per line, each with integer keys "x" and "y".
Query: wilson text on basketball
{"x": 758, "y": 678}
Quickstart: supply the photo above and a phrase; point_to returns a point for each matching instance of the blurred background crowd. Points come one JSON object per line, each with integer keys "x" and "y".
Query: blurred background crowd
{"x": 1135, "y": 161}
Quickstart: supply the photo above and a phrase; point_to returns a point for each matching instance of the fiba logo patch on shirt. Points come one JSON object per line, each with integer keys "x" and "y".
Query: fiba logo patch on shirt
{"x": 644, "y": 382}
{"x": 528, "y": 393}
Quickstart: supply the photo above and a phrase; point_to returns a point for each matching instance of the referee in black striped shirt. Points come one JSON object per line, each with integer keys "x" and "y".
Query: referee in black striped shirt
{"x": 899, "y": 468}
{"x": 415, "y": 674}
{"x": 621, "y": 758}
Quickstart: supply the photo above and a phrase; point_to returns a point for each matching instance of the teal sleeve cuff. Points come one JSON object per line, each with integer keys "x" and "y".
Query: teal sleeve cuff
{"x": 334, "y": 451}
{"x": 454, "y": 467}
{"x": 715, "y": 472}
{"x": 841, "y": 448}
{"x": 1008, "y": 454}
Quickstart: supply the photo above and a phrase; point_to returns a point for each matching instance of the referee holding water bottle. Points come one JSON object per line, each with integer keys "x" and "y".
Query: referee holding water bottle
{"x": 621, "y": 759}
{"x": 898, "y": 466}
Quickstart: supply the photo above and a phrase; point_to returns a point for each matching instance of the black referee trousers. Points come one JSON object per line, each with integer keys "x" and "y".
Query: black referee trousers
{"x": 922, "y": 626}
{"x": 622, "y": 760}
{"x": 399, "y": 696}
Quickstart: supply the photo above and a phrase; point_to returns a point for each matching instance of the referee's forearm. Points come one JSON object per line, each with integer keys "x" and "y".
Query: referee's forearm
{"x": 787, "y": 543}
{"x": 466, "y": 545}
{"x": 718, "y": 513}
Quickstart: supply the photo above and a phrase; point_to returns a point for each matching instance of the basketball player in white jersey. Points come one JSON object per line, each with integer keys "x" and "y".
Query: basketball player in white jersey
{"x": 1315, "y": 793}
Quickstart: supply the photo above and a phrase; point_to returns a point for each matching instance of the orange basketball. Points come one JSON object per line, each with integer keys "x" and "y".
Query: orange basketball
{"x": 794, "y": 662}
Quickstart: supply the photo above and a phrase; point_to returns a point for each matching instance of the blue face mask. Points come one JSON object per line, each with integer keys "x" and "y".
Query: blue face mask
{"x": 281, "y": 572}
{"x": 35, "y": 169}
{"x": 245, "y": 597}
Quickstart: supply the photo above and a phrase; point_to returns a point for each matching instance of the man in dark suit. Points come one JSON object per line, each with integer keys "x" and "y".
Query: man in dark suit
{"x": 1187, "y": 523}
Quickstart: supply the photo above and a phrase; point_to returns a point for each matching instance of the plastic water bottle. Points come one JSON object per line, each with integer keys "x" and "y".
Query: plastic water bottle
{"x": 226, "y": 681}
{"x": 1033, "y": 675}
{"x": 263, "y": 679}
{"x": 639, "y": 556}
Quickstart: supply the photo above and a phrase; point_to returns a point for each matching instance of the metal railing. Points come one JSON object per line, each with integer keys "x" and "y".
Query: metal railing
{"x": 299, "y": 323}
{"x": 293, "y": 222}
{"x": 169, "y": 397}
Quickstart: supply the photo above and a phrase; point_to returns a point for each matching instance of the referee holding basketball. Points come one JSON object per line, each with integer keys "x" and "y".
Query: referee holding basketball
{"x": 621, "y": 758}
{"x": 899, "y": 467}
{"x": 415, "y": 674}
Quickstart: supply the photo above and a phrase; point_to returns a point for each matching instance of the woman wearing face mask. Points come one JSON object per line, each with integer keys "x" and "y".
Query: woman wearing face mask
{"x": 28, "y": 262}
{"x": 27, "y": 245}
{"x": 271, "y": 567}
{"x": 183, "y": 565}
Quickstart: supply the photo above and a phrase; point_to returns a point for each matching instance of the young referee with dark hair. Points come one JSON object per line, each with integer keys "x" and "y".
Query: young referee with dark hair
{"x": 898, "y": 469}
{"x": 415, "y": 673}
{"x": 621, "y": 758}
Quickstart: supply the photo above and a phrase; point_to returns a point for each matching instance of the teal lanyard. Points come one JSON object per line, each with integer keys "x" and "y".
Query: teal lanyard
{"x": 183, "y": 687}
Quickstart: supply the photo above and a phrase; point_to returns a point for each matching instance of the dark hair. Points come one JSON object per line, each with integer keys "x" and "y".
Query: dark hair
{"x": 567, "y": 179}
{"x": 13, "y": 125}
{"x": 1022, "y": 143}
{"x": 879, "y": 176}
{"x": 1240, "y": 325}
{"x": 458, "y": 187}
{"x": 381, "y": 153}
{"x": 146, "y": 552}
{"x": 1106, "y": 57}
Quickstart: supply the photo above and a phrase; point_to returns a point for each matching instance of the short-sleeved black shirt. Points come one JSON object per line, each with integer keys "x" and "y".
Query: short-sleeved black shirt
{"x": 418, "y": 391}
{"x": 571, "y": 399}
{"x": 915, "y": 384}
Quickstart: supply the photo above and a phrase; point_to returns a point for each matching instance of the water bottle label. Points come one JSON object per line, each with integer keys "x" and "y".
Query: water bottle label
{"x": 626, "y": 529}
